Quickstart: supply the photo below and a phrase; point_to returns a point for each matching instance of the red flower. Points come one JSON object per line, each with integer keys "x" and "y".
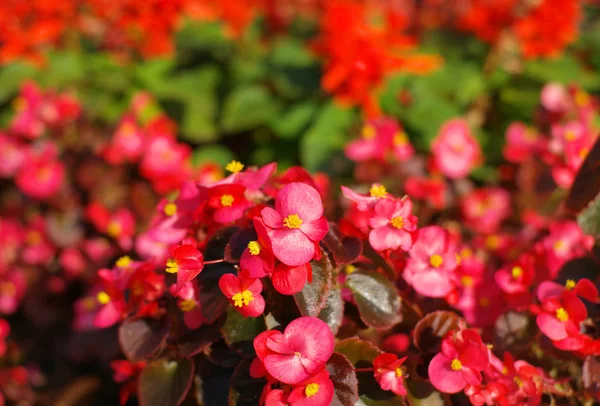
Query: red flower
{"x": 378, "y": 138}
{"x": 257, "y": 258}
{"x": 300, "y": 351}
{"x": 288, "y": 280}
{"x": 296, "y": 225}
{"x": 518, "y": 278}
{"x": 560, "y": 316}
{"x": 186, "y": 261}
{"x": 316, "y": 390}
{"x": 484, "y": 209}
{"x": 243, "y": 294}
{"x": 463, "y": 357}
{"x": 227, "y": 202}
{"x": 41, "y": 175}
{"x": 389, "y": 373}
{"x": 393, "y": 225}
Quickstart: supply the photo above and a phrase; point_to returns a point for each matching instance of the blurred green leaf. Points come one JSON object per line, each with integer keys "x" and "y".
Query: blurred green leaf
{"x": 11, "y": 78}
{"x": 325, "y": 136}
{"x": 218, "y": 154}
{"x": 294, "y": 120}
{"x": 246, "y": 108}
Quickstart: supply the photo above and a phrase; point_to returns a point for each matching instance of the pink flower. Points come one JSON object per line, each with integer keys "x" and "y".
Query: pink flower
{"x": 455, "y": 150}
{"x": 378, "y": 137}
{"x": 393, "y": 225}
{"x": 119, "y": 224}
{"x": 228, "y": 202}
{"x": 165, "y": 162}
{"x": 484, "y": 209}
{"x": 366, "y": 202}
{"x": 41, "y": 175}
{"x": 127, "y": 144}
{"x": 186, "y": 261}
{"x": 565, "y": 242}
{"x": 300, "y": 351}
{"x": 521, "y": 141}
{"x": 584, "y": 288}
{"x": 12, "y": 290}
{"x": 243, "y": 294}
{"x": 554, "y": 97}
{"x": 189, "y": 304}
{"x": 560, "y": 316}
{"x": 389, "y": 374}
{"x": 463, "y": 357}
{"x": 296, "y": 225}
{"x": 433, "y": 190}
{"x": 431, "y": 264}
{"x": 316, "y": 390}
{"x": 12, "y": 155}
{"x": 257, "y": 258}
{"x": 518, "y": 278}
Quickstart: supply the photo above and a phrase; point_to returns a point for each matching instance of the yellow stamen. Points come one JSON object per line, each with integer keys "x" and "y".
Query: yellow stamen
{"x": 368, "y": 132}
{"x": 242, "y": 298}
{"x": 378, "y": 191}
{"x": 170, "y": 209}
{"x": 456, "y": 365}
{"x": 399, "y": 372}
{"x": 492, "y": 242}
{"x": 582, "y": 98}
{"x": 298, "y": 354}
{"x": 34, "y": 238}
{"x": 516, "y": 272}
{"x": 400, "y": 138}
{"x": 292, "y": 221}
{"x": 8, "y": 289}
{"x": 103, "y": 297}
{"x": 559, "y": 245}
{"x": 570, "y": 135}
{"x": 561, "y": 314}
{"x": 254, "y": 247}
{"x": 518, "y": 381}
{"x": 227, "y": 200}
{"x": 187, "y": 305}
{"x": 234, "y": 166}
{"x": 484, "y": 301}
{"x": 113, "y": 229}
{"x": 466, "y": 280}
{"x": 19, "y": 104}
{"x": 123, "y": 262}
{"x": 466, "y": 253}
{"x": 490, "y": 346}
{"x": 350, "y": 269}
{"x": 398, "y": 222}
{"x": 570, "y": 284}
{"x": 311, "y": 389}
{"x": 172, "y": 266}
{"x": 436, "y": 260}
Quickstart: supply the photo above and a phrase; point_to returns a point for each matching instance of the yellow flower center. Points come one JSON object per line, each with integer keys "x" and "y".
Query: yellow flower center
{"x": 561, "y": 314}
{"x": 559, "y": 245}
{"x": 234, "y": 166}
{"x": 398, "y": 222}
{"x": 242, "y": 298}
{"x": 400, "y": 138}
{"x": 311, "y": 389}
{"x": 298, "y": 354}
{"x": 484, "y": 301}
{"x": 8, "y": 289}
{"x": 34, "y": 238}
{"x": 113, "y": 229}
{"x": 378, "y": 191}
{"x": 227, "y": 200}
{"x": 570, "y": 284}
{"x": 254, "y": 247}
{"x": 570, "y": 135}
{"x": 466, "y": 280}
{"x": 516, "y": 272}
{"x": 492, "y": 242}
{"x": 368, "y": 132}
{"x": 123, "y": 262}
{"x": 436, "y": 260}
{"x": 518, "y": 381}
{"x": 103, "y": 297}
{"x": 170, "y": 209}
{"x": 456, "y": 365}
{"x": 187, "y": 305}
{"x": 350, "y": 269}
{"x": 292, "y": 221}
{"x": 582, "y": 98}
{"x": 172, "y": 266}
{"x": 137, "y": 289}
{"x": 19, "y": 104}
{"x": 398, "y": 372}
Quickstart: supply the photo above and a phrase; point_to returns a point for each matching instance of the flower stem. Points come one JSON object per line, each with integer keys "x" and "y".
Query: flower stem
{"x": 363, "y": 369}
{"x": 216, "y": 261}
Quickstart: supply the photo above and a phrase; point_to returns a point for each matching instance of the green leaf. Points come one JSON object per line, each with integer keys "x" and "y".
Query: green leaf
{"x": 246, "y": 108}
{"x": 589, "y": 218}
{"x": 333, "y": 312}
{"x": 313, "y": 296}
{"x": 360, "y": 353}
{"x": 325, "y": 136}
{"x": 294, "y": 120}
{"x": 141, "y": 338}
{"x": 239, "y": 331}
{"x": 422, "y": 393}
{"x": 341, "y": 373}
{"x": 217, "y": 154}
{"x": 377, "y": 299}
{"x": 165, "y": 382}
{"x": 11, "y": 78}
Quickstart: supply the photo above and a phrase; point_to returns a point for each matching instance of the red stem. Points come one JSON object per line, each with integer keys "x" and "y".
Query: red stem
{"x": 363, "y": 369}
{"x": 216, "y": 261}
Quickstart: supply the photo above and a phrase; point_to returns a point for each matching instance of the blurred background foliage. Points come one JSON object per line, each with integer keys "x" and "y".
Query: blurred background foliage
{"x": 261, "y": 100}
